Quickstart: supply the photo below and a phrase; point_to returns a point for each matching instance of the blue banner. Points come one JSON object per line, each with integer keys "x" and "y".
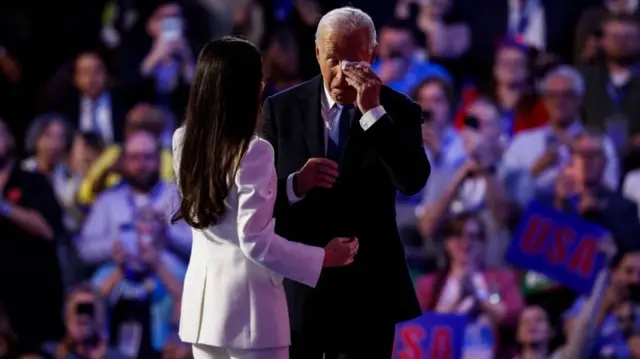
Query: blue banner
{"x": 559, "y": 245}
{"x": 430, "y": 336}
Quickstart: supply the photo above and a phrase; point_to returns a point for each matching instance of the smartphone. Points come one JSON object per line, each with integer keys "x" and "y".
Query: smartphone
{"x": 85, "y": 309}
{"x": 472, "y": 122}
{"x": 171, "y": 28}
{"x": 129, "y": 240}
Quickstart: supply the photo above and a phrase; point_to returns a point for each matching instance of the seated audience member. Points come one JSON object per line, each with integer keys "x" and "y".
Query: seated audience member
{"x": 534, "y": 157}
{"x": 512, "y": 87}
{"x": 613, "y": 84}
{"x": 606, "y": 321}
{"x": 48, "y": 141}
{"x": 86, "y": 323}
{"x": 534, "y": 334}
{"x": 114, "y": 214}
{"x": 94, "y": 106}
{"x": 489, "y": 297}
{"x": 104, "y": 174}
{"x": 472, "y": 187}
{"x": 30, "y": 222}
{"x": 589, "y": 29}
{"x": 141, "y": 284}
{"x": 400, "y": 63}
{"x": 580, "y": 189}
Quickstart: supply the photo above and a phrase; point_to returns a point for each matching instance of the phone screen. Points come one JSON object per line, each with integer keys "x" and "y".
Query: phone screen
{"x": 129, "y": 240}
{"x": 171, "y": 28}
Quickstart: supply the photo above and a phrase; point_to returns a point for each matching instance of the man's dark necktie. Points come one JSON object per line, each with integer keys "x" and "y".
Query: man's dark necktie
{"x": 338, "y": 133}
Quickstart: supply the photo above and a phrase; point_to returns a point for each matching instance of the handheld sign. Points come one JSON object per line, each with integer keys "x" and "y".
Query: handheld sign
{"x": 561, "y": 246}
{"x": 430, "y": 336}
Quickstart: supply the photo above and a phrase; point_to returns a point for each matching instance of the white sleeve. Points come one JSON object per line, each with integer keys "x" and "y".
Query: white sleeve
{"x": 257, "y": 185}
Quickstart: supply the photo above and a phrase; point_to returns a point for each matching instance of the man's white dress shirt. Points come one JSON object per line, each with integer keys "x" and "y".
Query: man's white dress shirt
{"x": 103, "y": 116}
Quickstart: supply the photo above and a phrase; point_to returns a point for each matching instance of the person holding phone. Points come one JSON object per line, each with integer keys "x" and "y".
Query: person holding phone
{"x": 168, "y": 68}
{"x": 474, "y": 186}
{"x": 233, "y": 304}
{"x": 85, "y": 323}
{"x": 442, "y": 142}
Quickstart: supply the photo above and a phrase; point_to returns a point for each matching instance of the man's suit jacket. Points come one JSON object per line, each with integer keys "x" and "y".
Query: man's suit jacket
{"x": 388, "y": 156}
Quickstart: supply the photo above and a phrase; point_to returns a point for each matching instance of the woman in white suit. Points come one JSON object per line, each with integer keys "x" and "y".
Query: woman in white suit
{"x": 233, "y": 304}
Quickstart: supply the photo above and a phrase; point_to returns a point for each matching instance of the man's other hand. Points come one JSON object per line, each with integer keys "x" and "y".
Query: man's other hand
{"x": 317, "y": 172}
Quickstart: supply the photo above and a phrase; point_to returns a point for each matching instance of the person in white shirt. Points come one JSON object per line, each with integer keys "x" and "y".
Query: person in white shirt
{"x": 534, "y": 157}
{"x": 234, "y": 304}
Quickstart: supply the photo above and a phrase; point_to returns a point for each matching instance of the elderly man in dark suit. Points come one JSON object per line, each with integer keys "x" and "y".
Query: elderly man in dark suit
{"x": 344, "y": 145}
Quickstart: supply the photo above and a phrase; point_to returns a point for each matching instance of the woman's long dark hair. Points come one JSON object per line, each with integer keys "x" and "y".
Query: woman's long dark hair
{"x": 221, "y": 119}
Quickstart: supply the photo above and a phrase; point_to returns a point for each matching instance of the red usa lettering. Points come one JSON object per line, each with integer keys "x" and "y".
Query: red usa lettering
{"x": 411, "y": 337}
{"x": 441, "y": 343}
{"x": 556, "y": 244}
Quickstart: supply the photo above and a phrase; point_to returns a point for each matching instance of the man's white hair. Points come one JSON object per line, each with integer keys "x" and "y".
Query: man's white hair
{"x": 346, "y": 20}
{"x": 568, "y": 72}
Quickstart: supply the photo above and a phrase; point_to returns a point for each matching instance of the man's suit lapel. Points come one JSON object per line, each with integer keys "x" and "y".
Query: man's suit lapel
{"x": 309, "y": 111}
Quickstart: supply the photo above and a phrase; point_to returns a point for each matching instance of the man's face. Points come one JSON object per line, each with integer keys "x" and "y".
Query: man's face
{"x": 141, "y": 159}
{"x": 510, "y": 66}
{"x": 52, "y": 141}
{"x": 394, "y": 42}
{"x": 488, "y": 126}
{"x": 589, "y": 160}
{"x": 90, "y": 77}
{"x": 433, "y": 98}
{"x": 628, "y": 271}
{"x": 333, "y": 48}
{"x": 562, "y": 100}
{"x": 620, "y": 40}
{"x": 533, "y": 326}
{"x": 80, "y": 326}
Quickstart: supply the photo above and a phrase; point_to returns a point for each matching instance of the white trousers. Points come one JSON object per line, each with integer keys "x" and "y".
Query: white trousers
{"x": 208, "y": 352}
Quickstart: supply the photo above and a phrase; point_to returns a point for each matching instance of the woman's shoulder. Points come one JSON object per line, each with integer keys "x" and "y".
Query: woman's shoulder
{"x": 258, "y": 146}
{"x": 176, "y": 139}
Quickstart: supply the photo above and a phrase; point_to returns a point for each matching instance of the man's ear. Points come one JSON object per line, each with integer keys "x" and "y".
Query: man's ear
{"x": 374, "y": 54}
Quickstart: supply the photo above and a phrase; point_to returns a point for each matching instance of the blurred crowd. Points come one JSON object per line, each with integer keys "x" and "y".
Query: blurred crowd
{"x": 522, "y": 100}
